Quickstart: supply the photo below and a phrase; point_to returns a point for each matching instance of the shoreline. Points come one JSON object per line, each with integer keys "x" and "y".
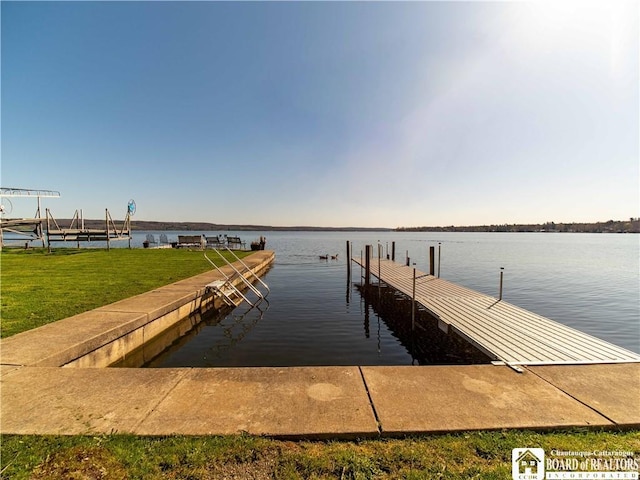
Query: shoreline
{"x": 612, "y": 226}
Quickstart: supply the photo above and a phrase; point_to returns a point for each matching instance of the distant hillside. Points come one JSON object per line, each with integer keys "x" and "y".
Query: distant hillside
{"x": 207, "y": 227}
{"x": 612, "y": 226}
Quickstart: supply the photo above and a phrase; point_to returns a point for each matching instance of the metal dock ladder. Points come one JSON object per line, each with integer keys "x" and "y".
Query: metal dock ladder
{"x": 229, "y": 292}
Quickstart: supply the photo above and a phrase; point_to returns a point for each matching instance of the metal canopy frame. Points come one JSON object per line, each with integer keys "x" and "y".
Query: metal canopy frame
{"x": 28, "y": 192}
{"x": 30, "y": 228}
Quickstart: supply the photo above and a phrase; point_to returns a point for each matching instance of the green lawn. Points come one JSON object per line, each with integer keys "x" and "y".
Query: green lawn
{"x": 462, "y": 456}
{"x": 38, "y": 288}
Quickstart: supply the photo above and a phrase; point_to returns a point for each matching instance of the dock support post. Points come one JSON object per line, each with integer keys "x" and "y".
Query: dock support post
{"x": 108, "y": 234}
{"x": 379, "y": 260}
{"x": 367, "y": 266}
{"x": 348, "y": 260}
{"x": 81, "y": 226}
{"x": 413, "y": 302}
{"x": 46, "y": 211}
{"x": 393, "y": 251}
{"x": 439, "y": 251}
{"x": 408, "y": 259}
{"x": 501, "y": 277}
{"x": 432, "y": 260}
{"x": 39, "y": 231}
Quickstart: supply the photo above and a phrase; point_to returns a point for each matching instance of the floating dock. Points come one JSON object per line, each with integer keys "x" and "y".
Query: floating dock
{"x": 77, "y": 232}
{"x": 506, "y": 333}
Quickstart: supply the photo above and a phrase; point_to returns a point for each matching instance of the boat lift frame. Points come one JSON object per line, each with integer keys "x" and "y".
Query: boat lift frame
{"x": 30, "y": 228}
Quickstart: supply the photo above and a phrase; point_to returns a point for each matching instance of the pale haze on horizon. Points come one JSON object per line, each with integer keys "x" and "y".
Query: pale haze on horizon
{"x": 369, "y": 114}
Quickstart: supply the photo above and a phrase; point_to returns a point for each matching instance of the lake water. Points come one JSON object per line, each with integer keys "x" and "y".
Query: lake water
{"x": 316, "y": 316}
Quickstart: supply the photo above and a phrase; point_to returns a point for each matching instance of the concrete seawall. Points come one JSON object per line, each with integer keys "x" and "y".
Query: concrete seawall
{"x": 104, "y": 336}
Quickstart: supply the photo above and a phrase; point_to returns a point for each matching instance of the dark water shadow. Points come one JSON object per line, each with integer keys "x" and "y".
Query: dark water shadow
{"x": 168, "y": 347}
{"x": 424, "y": 341}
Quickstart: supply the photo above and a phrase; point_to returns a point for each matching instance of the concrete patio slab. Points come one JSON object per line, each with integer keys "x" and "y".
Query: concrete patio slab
{"x": 303, "y": 402}
{"x": 613, "y": 390}
{"x": 75, "y": 401}
{"x": 451, "y": 398}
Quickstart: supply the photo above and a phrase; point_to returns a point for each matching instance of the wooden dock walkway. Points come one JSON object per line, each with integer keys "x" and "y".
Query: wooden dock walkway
{"x": 503, "y": 331}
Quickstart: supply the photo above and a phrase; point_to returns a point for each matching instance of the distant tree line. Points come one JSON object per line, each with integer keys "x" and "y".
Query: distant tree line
{"x": 142, "y": 225}
{"x": 612, "y": 226}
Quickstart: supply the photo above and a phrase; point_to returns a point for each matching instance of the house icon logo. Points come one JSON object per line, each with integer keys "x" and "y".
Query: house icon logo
{"x": 527, "y": 463}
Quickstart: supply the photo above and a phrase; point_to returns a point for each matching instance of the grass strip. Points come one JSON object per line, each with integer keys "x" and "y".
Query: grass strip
{"x": 39, "y": 287}
{"x": 477, "y": 455}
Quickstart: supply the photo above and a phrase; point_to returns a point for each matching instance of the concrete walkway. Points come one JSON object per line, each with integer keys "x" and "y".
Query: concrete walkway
{"x": 315, "y": 402}
{"x": 37, "y": 396}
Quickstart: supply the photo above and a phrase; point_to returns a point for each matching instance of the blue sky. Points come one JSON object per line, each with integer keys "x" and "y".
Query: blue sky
{"x": 377, "y": 114}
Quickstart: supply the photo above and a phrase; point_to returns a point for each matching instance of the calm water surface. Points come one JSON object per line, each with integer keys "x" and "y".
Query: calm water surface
{"x": 317, "y": 317}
